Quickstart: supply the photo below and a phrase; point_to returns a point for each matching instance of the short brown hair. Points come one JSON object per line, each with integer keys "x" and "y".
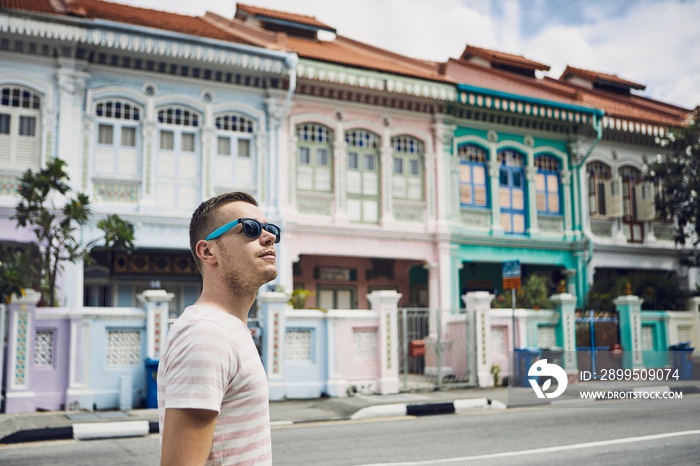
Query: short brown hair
{"x": 205, "y": 218}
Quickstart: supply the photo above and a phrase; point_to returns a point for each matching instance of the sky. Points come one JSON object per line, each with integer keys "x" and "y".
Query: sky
{"x": 651, "y": 42}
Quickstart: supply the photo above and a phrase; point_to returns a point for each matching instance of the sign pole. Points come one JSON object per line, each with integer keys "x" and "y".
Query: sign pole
{"x": 512, "y": 324}
{"x": 511, "y": 281}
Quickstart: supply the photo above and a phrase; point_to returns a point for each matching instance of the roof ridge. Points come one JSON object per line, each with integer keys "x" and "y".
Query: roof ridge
{"x": 255, "y": 35}
{"x": 531, "y": 82}
{"x": 405, "y": 60}
{"x": 625, "y": 100}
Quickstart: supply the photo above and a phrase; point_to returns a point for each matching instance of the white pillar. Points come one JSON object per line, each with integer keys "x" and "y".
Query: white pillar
{"x": 19, "y": 398}
{"x": 478, "y": 306}
{"x": 273, "y": 307}
{"x": 385, "y": 302}
{"x": 157, "y": 304}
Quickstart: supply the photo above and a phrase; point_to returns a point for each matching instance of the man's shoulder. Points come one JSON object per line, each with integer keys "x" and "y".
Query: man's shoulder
{"x": 209, "y": 317}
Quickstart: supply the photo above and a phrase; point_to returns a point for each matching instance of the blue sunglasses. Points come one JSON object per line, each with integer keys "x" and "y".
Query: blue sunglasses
{"x": 251, "y": 227}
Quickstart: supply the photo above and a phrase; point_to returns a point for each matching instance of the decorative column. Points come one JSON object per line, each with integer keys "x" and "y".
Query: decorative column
{"x": 340, "y": 151}
{"x": 386, "y": 179}
{"x": 208, "y": 147}
{"x": 568, "y": 207}
{"x": 531, "y": 193}
{"x": 149, "y": 130}
{"x": 494, "y": 185}
{"x": 565, "y": 305}
{"x": 273, "y": 307}
{"x": 444, "y": 137}
{"x": 72, "y": 81}
{"x": 18, "y": 397}
{"x": 629, "y": 307}
{"x": 430, "y": 191}
{"x": 478, "y": 306}
{"x": 157, "y": 304}
{"x": 385, "y": 302}
{"x": 446, "y": 273}
{"x": 276, "y": 112}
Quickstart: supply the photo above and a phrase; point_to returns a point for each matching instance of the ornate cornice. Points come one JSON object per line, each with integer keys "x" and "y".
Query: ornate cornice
{"x": 373, "y": 80}
{"x": 171, "y": 45}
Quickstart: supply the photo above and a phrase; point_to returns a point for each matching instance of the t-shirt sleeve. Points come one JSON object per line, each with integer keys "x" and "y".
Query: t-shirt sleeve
{"x": 199, "y": 366}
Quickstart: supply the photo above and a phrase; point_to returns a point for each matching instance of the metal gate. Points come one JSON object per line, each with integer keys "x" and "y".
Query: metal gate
{"x": 431, "y": 360}
{"x": 597, "y": 333}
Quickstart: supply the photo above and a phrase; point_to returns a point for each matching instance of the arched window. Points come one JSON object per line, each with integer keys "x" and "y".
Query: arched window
{"x": 547, "y": 184}
{"x": 179, "y": 161}
{"x": 637, "y": 203}
{"x": 408, "y": 168}
{"x": 599, "y": 176}
{"x": 472, "y": 176}
{"x": 314, "y": 158}
{"x": 118, "y": 138}
{"x": 20, "y": 128}
{"x": 235, "y": 158}
{"x": 363, "y": 176}
{"x": 511, "y": 180}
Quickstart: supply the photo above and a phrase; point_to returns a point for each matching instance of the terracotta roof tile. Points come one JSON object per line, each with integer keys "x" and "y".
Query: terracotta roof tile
{"x": 497, "y": 80}
{"x": 153, "y": 18}
{"x": 345, "y": 51}
{"x": 629, "y": 107}
{"x": 39, "y": 6}
{"x": 292, "y": 17}
{"x": 503, "y": 58}
{"x": 593, "y": 76}
{"x": 341, "y": 50}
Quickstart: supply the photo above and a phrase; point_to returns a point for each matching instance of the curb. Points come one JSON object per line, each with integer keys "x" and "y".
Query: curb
{"x": 84, "y": 431}
{"x": 427, "y": 409}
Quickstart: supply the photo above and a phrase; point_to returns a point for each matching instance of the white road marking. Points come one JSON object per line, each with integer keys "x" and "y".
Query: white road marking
{"x": 575, "y": 446}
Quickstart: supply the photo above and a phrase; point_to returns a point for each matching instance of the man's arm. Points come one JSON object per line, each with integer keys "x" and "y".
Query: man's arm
{"x": 187, "y": 436}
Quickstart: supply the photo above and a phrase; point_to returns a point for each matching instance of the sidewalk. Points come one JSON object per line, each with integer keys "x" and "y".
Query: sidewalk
{"x": 56, "y": 425}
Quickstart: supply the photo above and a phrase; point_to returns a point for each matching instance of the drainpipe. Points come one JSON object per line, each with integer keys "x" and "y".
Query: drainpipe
{"x": 598, "y": 127}
{"x": 292, "y": 61}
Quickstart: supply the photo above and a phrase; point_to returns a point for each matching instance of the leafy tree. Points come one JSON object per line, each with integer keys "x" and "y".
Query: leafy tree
{"x": 661, "y": 291}
{"x": 679, "y": 176}
{"x": 533, "y": 294}
{"x": 15, "y": 274}
{"x": 54, "y": 213}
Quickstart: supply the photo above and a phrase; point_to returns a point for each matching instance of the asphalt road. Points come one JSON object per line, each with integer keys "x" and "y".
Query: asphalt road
{"x": 600, "y": 433}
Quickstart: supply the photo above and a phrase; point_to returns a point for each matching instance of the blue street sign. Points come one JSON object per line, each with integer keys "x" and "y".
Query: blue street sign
{"x": 511, "y": 269}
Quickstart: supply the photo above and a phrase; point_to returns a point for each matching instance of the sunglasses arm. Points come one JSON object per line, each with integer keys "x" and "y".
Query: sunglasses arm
{"x": 221, "y": 230}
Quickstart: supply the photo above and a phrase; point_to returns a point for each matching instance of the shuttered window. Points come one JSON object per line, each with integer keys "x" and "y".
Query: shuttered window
{"x": 118, "y": 149}
{"x": 314, "y": 171}
{"x": 20, "y": 128}
{"x": 472, "y": 176}
{"x": 407, "y": 178}
{"x": 235, "y": 162}
{"x": 547, "y": 184}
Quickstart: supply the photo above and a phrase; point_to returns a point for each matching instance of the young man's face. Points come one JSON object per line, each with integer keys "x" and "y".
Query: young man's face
{"x": 245, "y": 262}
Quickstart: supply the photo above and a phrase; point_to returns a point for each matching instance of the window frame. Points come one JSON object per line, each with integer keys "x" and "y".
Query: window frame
{"x": 464, "y": 154}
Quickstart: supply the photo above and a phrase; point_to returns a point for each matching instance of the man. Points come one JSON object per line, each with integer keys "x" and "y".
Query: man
{"x": 213, "y": 396}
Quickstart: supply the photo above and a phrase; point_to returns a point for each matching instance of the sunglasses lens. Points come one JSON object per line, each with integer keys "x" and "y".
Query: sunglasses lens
{"x": 274, "y": 230}
{"x": 252, "y": 228}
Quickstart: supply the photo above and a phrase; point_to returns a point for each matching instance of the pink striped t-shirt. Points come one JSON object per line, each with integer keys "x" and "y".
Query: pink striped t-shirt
{"x": 209, "y": 361}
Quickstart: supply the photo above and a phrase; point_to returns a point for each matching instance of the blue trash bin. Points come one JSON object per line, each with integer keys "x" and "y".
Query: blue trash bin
{"x": 682, "y": 361}
{"x": 151, "y": 383}
{"x": 524, "y": 358}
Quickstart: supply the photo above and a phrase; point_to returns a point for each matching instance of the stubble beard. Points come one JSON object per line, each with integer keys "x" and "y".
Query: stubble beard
{"x": 241, "y": 282}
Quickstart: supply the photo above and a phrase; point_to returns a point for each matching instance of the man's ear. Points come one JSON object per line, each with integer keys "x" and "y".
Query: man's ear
{"x": 204, "y": 252}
